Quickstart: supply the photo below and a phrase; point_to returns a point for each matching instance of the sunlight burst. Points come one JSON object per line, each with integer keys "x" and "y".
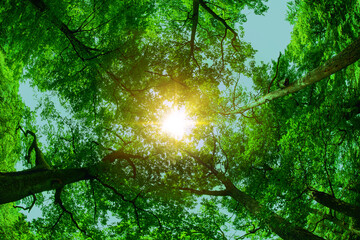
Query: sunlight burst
{"x": 176, "y": 123}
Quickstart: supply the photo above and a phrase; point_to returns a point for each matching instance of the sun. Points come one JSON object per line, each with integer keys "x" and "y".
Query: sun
{"x": 176, "y": 123}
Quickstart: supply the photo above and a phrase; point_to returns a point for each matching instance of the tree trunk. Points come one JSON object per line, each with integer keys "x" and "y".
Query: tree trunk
{"x": 345, "y": 58}
{"x": 17, "y": 185}
{"x": 276, "y": 223}
{"x": 336, "y": 204}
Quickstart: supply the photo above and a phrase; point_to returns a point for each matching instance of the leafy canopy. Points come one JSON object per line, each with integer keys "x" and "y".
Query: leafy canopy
{"x": 118, "y": 67}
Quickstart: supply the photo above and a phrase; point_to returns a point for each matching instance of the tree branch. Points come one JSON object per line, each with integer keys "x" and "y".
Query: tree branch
{"x": 331, "y": 202}
{"x": 40, "y": 162}
{"x": 201, "y": 162}
{"x": 345, "y": 58}
{"x": 112, "y": 189}
{"x": 217, "y": 17}
{"x": 222, "y": 48}
{"x": 58, "y": 220}
{"x": 195, "y": 19}
{"x": 316, "y": 224}
{"x": 59, "y": 201}
{"x": 118, "y": 136}
{"x": 132, "y": 92}
{"x": 250, "y": 232}
{"x": 30, "y": 207}
{"x": 276, "y": 74}
{"x": 132, "y": 202}
{"x": 151, "y": 213}
{"x": 119, "y": 154}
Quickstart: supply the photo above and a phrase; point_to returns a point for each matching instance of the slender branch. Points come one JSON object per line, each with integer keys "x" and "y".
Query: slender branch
{"x": 276, "y": 74}
{"x": 58, "y": 220}
{"x": 95, "y": 28}
{"x": 136, "y": 215}
{"x": 126, "y": 200}
{"x": 31, "y": 206}
{"x": 213, "y": 150}
{"x": 151, "y": 213}
{"x": 300, "y": 195}
{"x": 217, "y": 17}
{"x": 112, "y": 189}
{"x": 86, "y": 22}
{"x": 40, "y": 161}
{"x": 92, "y": 15}
{"x": 59, "y": 201}
{"x": 316, "y": 224}
{"x": 226, "y": 164}
{"x": 159, "y": 74}
{"x": 119, "y": 154}
{"x": 117, "y": 80}
{"x": 221, "y": 231}
{"x": 234, "y": 95}
{"x": 118, "y": 136}
{"x": 250, "y": 232}
{"x": 223, "y": 9}
{"x": 132, "y": 92}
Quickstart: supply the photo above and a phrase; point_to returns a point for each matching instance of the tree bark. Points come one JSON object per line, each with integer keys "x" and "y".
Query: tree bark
{"x": 195, "y": 19}
{"x": 345, "y": 58}
{"x": 18, "y": 185}
{"x": 275, "y": 222}
{"x": 336, "y": 204}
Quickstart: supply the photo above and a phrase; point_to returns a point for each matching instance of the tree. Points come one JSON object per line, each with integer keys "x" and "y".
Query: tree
{"x": 115, "y": 64}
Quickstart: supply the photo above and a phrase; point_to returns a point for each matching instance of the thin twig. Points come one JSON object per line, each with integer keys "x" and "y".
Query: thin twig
{"x": 276, "y": 74}
{"x": 59, "y": 201}
{"x": 31, "y": 206}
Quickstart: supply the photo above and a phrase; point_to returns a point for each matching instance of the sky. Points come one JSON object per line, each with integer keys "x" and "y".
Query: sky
{"x": 269, "y": 34}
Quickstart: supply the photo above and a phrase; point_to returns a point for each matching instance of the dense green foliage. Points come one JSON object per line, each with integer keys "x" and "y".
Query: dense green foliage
{"x": 12, "y": 224}
{"x": 282, "y": 169}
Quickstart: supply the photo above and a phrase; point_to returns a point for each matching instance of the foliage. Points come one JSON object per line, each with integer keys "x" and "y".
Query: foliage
{"x": 12, "y": 223}
{"x": 118, "y": 67}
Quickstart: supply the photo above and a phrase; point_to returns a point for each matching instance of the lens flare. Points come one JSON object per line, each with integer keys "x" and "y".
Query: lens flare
{"x": 175, "y": 123}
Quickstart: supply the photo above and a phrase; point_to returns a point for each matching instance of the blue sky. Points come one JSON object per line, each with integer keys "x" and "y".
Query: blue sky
{"x": 269, "y": 34}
